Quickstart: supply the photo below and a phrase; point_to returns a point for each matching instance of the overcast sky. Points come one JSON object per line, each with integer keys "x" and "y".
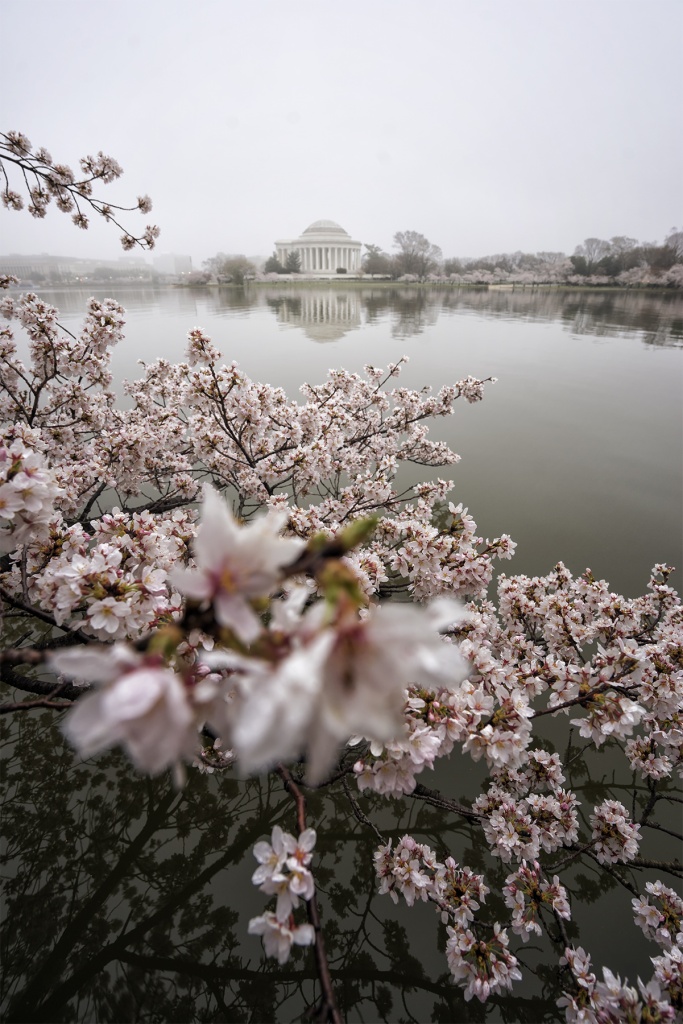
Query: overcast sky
{"x": 487, "y": 125}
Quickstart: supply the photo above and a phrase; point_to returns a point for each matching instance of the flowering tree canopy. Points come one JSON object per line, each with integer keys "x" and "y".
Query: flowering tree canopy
{"x": 217, "y": 575}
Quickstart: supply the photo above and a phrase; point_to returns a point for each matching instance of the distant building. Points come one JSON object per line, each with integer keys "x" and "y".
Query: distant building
{"x": 44, "y": 267}
{"x": 324, "y": 247}
{"x": 169, "y": 263}
{"x": 47, "y": 269}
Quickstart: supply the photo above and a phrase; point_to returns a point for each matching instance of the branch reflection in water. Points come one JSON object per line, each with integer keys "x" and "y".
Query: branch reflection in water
{"x": 127, "y": 899}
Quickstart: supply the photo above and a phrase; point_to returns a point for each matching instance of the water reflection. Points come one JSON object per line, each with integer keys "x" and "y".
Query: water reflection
{"x": 322, "y": 315}
{"x": 657, "y": 316}
{"x": 128, "y": 900}
{"x": 330, "y": 313}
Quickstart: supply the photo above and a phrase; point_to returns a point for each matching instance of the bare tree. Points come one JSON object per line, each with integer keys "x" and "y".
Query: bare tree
{"x": 675, "y": 241}
{"x": 622, "y": 243}
{"x": 416, "y": 254}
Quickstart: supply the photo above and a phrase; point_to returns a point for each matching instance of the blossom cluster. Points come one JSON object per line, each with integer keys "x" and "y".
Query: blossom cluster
{"x": 307, "y": 681}
{"x": 46, "y": 181}
{"x": 111, "y": 580}
{"x": 28, "y": 490}
{"x": 661, "y": 920}
{"x": 614, "y": 836}
{"x": 481, "y": 966}
{"x": 526, "y": 891}
{"x": 593, "y": 1001}
{"x": 283, "y": 871}
{"x": 154, "y": 710}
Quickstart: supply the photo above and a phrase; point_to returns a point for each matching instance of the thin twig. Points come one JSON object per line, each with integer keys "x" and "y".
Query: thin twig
{"x": 615, "y": 874}
{"x": 653, "y": 824}
{"x": 358, "y": 813}
{"x": 563, "y": 931}
{"x": 577, "y": 853}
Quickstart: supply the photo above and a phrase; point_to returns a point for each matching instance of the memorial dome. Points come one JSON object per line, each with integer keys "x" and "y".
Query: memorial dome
{"x": 326, "y": 227}
{"x": 324, "y": 249}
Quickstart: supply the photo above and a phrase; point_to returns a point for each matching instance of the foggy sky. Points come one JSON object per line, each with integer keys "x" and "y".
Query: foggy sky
{"x": 487, "y": 125}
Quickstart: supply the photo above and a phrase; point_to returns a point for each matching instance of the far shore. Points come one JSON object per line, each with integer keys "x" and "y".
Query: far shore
{"x": 287, "y": 281}
{"x": 380, "y": 282}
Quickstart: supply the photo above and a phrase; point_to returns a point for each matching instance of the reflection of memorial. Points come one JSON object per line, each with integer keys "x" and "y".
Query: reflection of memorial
{"x": 324, "y": 247}
{"x": 321, "y": 315}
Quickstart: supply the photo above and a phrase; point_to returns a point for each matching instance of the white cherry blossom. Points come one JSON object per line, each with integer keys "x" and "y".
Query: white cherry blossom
{"x": 235, "y": 564}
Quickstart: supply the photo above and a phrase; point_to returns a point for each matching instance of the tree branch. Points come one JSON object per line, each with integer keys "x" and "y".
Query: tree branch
{"x": 328, "y": 1009}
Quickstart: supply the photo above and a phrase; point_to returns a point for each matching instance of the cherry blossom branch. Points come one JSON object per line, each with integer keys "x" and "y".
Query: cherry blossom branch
{"x": 42, "y": 687}
{"x": 615, "y": 874}
{"x": 561, "y": 928}
{"x": 674, "y": 867}
{"x": 584, "y": 699}
{"x": 328, "y": 1009}
{"x": 669, "y": 832}
{"x": 58, "y": 182}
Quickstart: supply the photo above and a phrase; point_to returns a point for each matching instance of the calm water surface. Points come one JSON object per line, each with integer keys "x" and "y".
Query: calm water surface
{"x": 127, "y": 900}
{"x": 576, "y": 452}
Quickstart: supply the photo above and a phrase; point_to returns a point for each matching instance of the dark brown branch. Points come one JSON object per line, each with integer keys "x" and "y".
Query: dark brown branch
{"x": 37, "y": 613}
{"x": 584, "y": 699}
{"x": 31, "y": 705}
{"x": 674, "y": 867}
{"x": 41, "y": 687}
{"x": 432, "y": 796}
{"x": 615, "y": 874}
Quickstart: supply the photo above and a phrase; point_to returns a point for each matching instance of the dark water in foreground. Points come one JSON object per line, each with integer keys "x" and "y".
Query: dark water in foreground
{"x": 126, "y": 900}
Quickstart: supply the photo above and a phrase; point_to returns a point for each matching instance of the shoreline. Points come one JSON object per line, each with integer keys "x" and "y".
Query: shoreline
{"x": 355, "y": 283}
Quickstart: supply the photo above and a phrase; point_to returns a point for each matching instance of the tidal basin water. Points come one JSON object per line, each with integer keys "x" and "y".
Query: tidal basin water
{"x": 127, "y": 899}
{"x": 576, "y": 451}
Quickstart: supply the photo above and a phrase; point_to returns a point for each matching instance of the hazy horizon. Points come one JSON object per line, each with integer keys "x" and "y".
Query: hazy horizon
{"x": 490, "y": 128}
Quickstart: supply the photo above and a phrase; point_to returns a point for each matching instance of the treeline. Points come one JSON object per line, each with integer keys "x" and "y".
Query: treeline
{"x": 620, "y": 260}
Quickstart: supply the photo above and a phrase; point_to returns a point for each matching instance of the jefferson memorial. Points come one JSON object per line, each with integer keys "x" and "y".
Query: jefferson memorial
{"x": 323, "y": 247}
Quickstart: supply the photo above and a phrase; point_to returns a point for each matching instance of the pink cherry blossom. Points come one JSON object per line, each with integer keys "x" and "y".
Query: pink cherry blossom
{"x": 235, "y": 563}
{"x": 140, "y": 704}
{"x": 278, "y": 936}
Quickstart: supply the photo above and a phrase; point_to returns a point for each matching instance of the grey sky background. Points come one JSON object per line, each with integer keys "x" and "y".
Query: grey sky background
{"x": 488, "y": 126}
